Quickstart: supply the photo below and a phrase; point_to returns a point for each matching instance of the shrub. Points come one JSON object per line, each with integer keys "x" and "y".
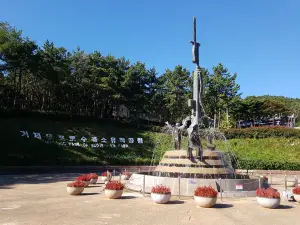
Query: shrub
{"x": 84, "y": 177}
{"x": 160, "y": 189}
{"x": 296, "y": 190}
{"x": 114, "y": 185}
{"x": 105, "y": 174}
{"x": 267, "y": 193}
{"x": 205, "y": 192}
{"x": 156, "y": 129}
{"x": 262, "y": 132}
{"x": 266, "y": 165}
{"x": 93, "y": 176}
{"x": 77, "y": 183}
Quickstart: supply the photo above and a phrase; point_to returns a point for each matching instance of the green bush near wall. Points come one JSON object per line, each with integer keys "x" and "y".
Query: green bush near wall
{"x": 268, "y": 153}
{"x": 262, "y": 132}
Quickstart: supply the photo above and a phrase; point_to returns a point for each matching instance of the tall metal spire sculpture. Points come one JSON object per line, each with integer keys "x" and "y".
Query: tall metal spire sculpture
{"x": 196, "y": 103}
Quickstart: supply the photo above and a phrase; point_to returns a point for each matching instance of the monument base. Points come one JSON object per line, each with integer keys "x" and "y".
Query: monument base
{"x": 213, "y": 165}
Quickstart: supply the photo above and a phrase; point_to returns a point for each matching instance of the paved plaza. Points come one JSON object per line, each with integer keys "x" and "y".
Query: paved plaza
{"x": 42, "y": 199}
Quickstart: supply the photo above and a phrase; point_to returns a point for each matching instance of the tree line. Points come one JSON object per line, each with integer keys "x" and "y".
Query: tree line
{"x": 49, "y": 78}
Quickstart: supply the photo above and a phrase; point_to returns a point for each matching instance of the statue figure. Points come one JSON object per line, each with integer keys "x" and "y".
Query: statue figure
{"x": 191, "y": 123}
{"x": 176, "y": 134}
{"x": 209, "y": 140}
{"x": 194, "y": 140}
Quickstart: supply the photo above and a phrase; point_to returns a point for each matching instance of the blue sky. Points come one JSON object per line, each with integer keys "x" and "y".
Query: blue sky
{"x": 257, "y": 39}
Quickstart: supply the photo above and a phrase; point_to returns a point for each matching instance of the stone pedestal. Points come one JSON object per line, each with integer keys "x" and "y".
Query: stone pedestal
{"x": 175, "y": 163}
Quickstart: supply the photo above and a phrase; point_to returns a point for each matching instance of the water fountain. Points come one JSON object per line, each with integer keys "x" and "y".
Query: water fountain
{"x": 184, "y": 170}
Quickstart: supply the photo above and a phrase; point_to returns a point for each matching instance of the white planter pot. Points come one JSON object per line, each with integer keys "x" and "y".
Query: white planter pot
{"x": 297, "y": 197}
{"x": 86, "y": 183}
{"x": 205, "y": 202}
{"x": 270, "y": 203}
{"x": 93, "y": 181}
{"x": 160, "y": 198}
{"x": 75, "y": 190}
{"x": 112, "y": 194}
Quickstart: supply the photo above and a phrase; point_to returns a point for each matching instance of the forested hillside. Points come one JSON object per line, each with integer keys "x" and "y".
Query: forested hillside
{"x": 51, "y": 79}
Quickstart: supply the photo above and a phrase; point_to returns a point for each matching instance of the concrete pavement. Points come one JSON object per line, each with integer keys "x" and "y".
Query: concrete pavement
{"x": 46, "y": 201}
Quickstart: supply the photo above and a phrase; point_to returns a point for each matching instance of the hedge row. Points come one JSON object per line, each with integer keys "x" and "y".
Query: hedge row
{"x": 262, "y": 132}
{"x": 266, "y": 165}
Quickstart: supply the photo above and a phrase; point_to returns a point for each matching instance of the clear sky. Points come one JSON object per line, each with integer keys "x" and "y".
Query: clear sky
{"x": 257, "y": 39}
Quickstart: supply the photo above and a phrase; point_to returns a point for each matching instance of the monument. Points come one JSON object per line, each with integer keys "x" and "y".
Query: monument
{"x": 196, "y": 165}
{"x": 195, "y": 161}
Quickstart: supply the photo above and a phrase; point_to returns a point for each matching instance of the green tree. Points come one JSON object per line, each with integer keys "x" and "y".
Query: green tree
{"x": 177, "y": 85}
{"x": 18, "y": 58}
{"x": 221, "y": 91}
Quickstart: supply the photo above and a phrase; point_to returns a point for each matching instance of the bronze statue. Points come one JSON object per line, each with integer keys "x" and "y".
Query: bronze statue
{"x": 176, "y": 134}
{"x": 194, "y": 140}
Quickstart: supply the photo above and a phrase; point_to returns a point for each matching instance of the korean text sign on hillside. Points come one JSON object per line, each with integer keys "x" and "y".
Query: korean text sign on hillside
{"x": 83, "y": 141}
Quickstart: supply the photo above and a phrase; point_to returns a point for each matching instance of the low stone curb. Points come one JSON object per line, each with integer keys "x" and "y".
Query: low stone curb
{"x": 46, "y": 169}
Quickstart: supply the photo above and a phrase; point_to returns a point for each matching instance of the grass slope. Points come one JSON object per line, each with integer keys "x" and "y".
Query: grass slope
{"x": 17, "y": 150}
{"x": 267, "y": 153}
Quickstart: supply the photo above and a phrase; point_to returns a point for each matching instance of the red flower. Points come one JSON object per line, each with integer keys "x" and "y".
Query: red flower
{"x": 93, "y": 176}
{"x": 267, "y": 193}
{"x": 296, "y": 190}
{"x": 84, "y": 177}
{"x": 206, "y": 192}
{"x": 160, "y": 189}
{"x": 77, "y": 183}
{"x": 114, "y": 185}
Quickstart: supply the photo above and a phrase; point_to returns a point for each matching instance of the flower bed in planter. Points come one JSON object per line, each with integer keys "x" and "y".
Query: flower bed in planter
{"x": 296, "y": 192}
{"x": 114, "y": 189}
{"x": 75, "y": 188}
{"x": 205, "y": 196}
{"x": 93, "y": 178}
{"x": 85, "y": 179}
{"x": 105, "y": 176}
{"x": 160, "y": 194}
{"x": 125, "y": 175}
{"x": 268, "y": 197}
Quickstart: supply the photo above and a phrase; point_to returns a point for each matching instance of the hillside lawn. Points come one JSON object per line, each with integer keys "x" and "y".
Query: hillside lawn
{"x": 267, "y": 153}
{"x": 17, "y": 150}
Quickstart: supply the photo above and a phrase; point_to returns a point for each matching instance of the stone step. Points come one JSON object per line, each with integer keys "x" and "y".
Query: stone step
{"x": 194, "y": 162}
{"x": 183, "y": 154}
{"x": 169, "y": 169}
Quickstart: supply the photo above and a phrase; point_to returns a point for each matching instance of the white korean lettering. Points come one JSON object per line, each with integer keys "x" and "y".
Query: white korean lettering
{"x": 24, "y": 133}
{"x": 37, "y": 135}
{"x": 140, "y": 140}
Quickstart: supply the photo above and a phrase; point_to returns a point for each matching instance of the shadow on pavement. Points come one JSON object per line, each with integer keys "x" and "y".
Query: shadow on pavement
{"x": 175, "y": 202}
{"x": 223, "y": 206}
{"x": 89, "y": 193}
{"x": 7, "y": 181}
{"x": 285, "y": 207}
{"x": 127, "y": 197}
